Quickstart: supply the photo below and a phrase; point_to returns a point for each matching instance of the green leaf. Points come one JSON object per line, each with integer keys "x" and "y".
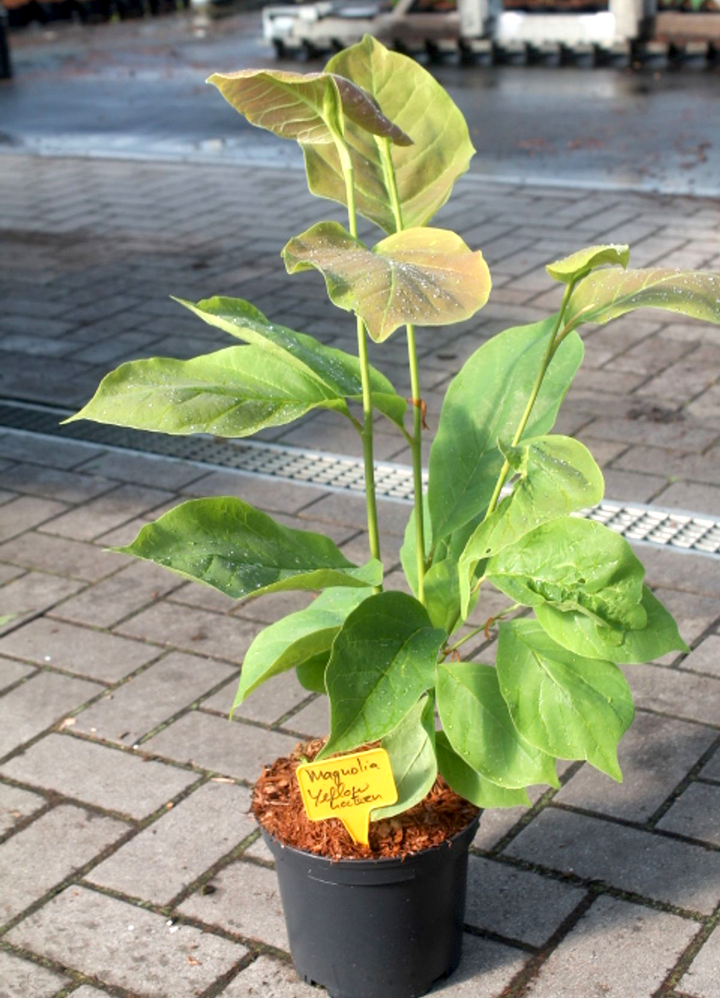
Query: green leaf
{"x": 574, "y": 564}
{"x": 572, "y": 267}
{"x": 296, "y": 639}
{"x": 311, "y": 674}
{"x": 337, "y": 372}
{"x": 557, "y": 476}
{"x": 580, "y": 634}
{"x": 479, "y": 727}
{"x": 303, "y": 106}
{"x": 608, "y": 294}
{"x": 411, "y": 747}
{"x": 442, "y": 582}
{"x": 231, "y": 393}
{"x": 417, "y": 103}
{"x": 484, "y": 403}
{"x": 424, "y": 276}
{"x": 564, "y": 704}
{"x": 229, "y": 545}
{"x": 470, "y": 784}
{"x": 382, "y": 661}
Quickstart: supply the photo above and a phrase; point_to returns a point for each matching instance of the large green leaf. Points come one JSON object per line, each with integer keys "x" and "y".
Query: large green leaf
{"x": 484, "y": 403}
{"x": 297, "y": 639}
{"x": 311, "y": 674}
{"x": 566, "y": 705}
{"x": 229, "y": 545}
{"x": 232, "y": 393}
{"x": 417, "y": 103}
{"x": 382, "y": 661}
{"x": 470, "y": 784}
{"x": 607, "y": 294}
{"x": 585, "y": 260}
{"x": 303, "y": 106}
{"x": 575, "y": 564}
{"x": 580, "y": 634}
{"x": 557, "y": 476}
{"x": 336, "y": 371}
{"x": 479, "y": 727}
{"x": 411, "y": 747}
{"x": 424, "y": 276}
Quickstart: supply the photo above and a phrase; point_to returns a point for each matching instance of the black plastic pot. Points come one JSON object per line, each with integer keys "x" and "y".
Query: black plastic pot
{"x": 385, "y": 928}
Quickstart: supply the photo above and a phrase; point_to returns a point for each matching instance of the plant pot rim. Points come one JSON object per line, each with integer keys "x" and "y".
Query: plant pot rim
{"x": 386, "y": 862}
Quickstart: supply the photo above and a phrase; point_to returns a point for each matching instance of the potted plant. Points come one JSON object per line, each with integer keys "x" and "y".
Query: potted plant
{"x": 381, "y": 136}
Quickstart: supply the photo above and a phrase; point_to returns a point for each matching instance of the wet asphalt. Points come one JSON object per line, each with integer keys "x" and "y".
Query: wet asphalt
{"x": 137, "y": 89}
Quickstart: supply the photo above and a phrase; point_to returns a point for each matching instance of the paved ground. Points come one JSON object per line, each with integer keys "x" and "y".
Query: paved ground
{"x": 136, "y": 88}
{"x": 129, "y": 865}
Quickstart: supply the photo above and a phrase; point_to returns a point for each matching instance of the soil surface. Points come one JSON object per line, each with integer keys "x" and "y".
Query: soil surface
{"x": 277, "y": 805}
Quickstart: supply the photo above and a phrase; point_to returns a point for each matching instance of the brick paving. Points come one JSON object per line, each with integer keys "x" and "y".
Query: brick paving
{"x": 129, "y": 864}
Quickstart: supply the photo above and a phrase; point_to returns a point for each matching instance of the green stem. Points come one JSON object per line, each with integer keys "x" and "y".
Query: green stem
{"x": 476, "y": 630}
{"x": 366, "y": 433}
{"x": 416, "y": 442}
{"x": 531, "y": 401}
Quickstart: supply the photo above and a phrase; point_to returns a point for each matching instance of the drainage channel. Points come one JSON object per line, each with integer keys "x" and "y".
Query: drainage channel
{"x": 639, "y": 523}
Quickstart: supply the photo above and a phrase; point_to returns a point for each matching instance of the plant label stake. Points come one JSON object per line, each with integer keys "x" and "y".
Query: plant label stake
{"x": 348, "y": 788}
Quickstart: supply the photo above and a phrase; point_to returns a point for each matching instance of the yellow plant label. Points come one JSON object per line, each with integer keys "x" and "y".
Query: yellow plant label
{"x": 348, "y": 787}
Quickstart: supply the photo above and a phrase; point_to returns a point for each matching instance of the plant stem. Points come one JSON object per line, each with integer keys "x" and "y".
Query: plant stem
{"x": 531, "y": 401}
{"x": 482, "y": 627}
{"x": 416, "y": 442}
{"x": 366, "y": 433}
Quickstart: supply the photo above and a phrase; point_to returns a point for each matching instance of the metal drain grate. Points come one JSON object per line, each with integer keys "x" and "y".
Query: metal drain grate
{"x": 681, "y": 531}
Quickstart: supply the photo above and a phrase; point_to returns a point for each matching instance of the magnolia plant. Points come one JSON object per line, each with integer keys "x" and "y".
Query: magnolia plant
{"x": 382, "y": 137}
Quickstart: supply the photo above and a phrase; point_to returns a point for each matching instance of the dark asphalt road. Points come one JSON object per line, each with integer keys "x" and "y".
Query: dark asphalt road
{"x": 137, "y": 89}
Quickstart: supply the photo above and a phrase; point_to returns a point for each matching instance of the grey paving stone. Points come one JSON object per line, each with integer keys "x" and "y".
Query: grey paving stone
{"x": 712, "y": 769}
{"x": 141, "y": 704}
{"x": 268, "y": 609}
{"x": 696, "y": 813}
{"x": 515, "y": 903}
{"x": 651, "y": 865}
{"x": 16, "y": 804}
{"x": 631, "y": 486}
{"x": 54, "y": 483}
{"x": 46, "y": 553}
{"x": 258, "y": 850}
{"x": 701, "y": 980}
{"x": 705, "y": 657}
{"x": 92, "y": 653}
{"x": 234, "y": 749}
{"x": 266, "y": 704}
{"x": 196, "y": 594}
{"x": 126, "y": 946}
{"x": 266, "y": 978}
{"x": 41, "y": 450}
{"x": 672, "y": 691}
{"x": 495, "y": 823}
{"x": 246, "y": 902}
{"x": 694, "y": 613}
{"x": 35, "y": 705}
{"x": 176, "y": 849}
{"x": 123, "y": 593}
{"x": 193, "y": 630}
{"x": 22, "y": 979}
{"x": 48, "y": 851}
{"x": 142, "y": 470}
{"x": 265, "y": 493}
{"x": 690, "y": 572}
{"x": 25, "y": 512}
{"x": 87, "y": 992}
{"x": 655, "y": 755}
{"x": 693, "y": 497}
{"x": 312, "y": 721}
{"x": 8, "y": 572}
{"x": 109, "y": 510}
{"x": 487, "y": 968}
{"x": 615, "y": 950}
{"x": 350, "y": 511}
{"x": 11, "y": 672}
{"x": 32, "y": 594}
{"x": 99, "y": 775}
